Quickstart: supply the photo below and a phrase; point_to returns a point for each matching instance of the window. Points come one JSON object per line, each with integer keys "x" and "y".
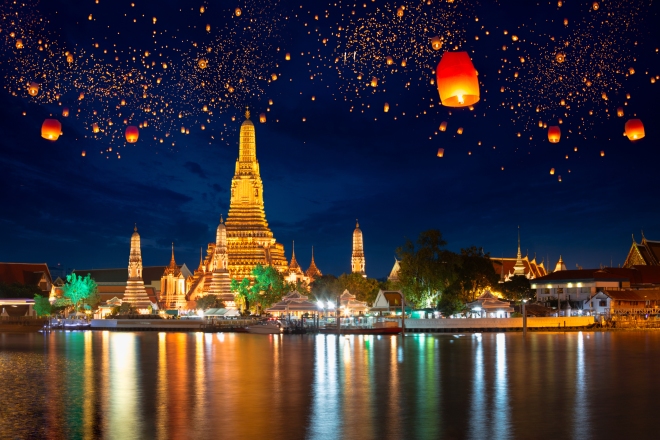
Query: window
{"x": 602, "y": 303}
{"x": 560, "y": 290}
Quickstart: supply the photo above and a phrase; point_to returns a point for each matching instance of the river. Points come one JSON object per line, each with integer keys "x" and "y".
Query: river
{"x": 115, "y": 385}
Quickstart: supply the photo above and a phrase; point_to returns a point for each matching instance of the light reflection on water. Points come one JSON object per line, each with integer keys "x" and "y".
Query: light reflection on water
{"x": 198, "y": 386}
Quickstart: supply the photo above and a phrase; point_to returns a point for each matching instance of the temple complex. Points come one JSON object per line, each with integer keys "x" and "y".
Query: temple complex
{"x": 294, "y": 271}
{"x": 507, "y": 268}
{"x": 249, "y": 239}
{"x": 135, "y": 293}
{"x": 646, "y": 253}
{"x": 358, "y": 263}
{"x": 220, "y": 280}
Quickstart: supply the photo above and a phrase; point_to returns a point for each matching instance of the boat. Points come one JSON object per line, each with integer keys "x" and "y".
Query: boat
{"x": 361, "y": 331}
{"x": 21, "y": 324}
{"x": 269, "y": 327}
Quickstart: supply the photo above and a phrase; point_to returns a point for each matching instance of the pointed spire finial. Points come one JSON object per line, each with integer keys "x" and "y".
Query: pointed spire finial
{"x": 357, "y": 224}
{"x": 247, "y": 112}
{"x": 221, "y": 220}
{"x": 293, "y": 247}
{"x": 135, "y": 228}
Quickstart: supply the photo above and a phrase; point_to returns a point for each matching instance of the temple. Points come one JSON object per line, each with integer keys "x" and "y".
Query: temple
{"x": 135, "y": 293}
{"x": 357, "y": 260}
{"x": 249, "y": 239}
{"x": 508, "y": 268}
{"x": 295, "y": 273}
{"x": 173, "y": 286}
{"x": 313, "y": 272}
{"x": 646, "y": 253}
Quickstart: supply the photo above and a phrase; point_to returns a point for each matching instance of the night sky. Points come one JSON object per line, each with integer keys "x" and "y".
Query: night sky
{"x": 328, "y": 152}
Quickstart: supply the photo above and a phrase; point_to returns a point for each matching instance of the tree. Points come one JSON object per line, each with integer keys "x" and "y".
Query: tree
{"x": 450, "y": 304}
{"x": 269, "y": 286}
{"x": 78, "y": 289}
{"x": 517, "y": 288}
{"x": 364, "y": 289}
{"x": 242, "y": 289}
{"x": 209, "y": 302}
{"x": 41, "y": 305}
{"x": 474, "y": 273}
{"x": 427, "y": 268}
{"x": 325, "y": 287}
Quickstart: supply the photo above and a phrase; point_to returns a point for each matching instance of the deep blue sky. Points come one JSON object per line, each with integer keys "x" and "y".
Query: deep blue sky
{"x": 339, "y": 165}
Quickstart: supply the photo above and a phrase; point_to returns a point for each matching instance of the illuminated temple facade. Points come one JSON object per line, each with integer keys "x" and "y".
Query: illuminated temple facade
{"x": 135, "y": 293}
{"x": 646, "y": 253}
{"x": 358, "y": 262}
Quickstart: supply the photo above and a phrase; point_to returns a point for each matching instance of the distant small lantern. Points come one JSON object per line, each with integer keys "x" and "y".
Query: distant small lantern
{"x": 262, "y": 118}
{"x": 51, "y": 129}
{"x": 69, "y": 58}
{"x": 460, "y": 130}
{"x": 273, "y": 76}
{"x": 132, "y": 134}
{"x": 183, "y": 130}
{"x": 205, "y": 108}
{"x": 560, "y": 57}
{"x": 619, "y": 112}
{"x": 602, "y": 153}
{"x": 33, "y": 89}
{"x": 95, "y": 127}
{"x": 443, "y": 126}
{"x": 458, "y": 85}
{"x": 399, "y": 12}
{"x": 65, "y": 112}
{"x": 208, "y": 28}
{"x": 386, "y": 107}
{"x": 595, "y": 6}
{"x": 287, "y": 56}
{"x": 389, "y": 60}
{"x": 81, "y": 96}
{"x": 19, "y": 43}
{"x": 201, "y": 9}
{"x": 83, "y": 154}
{"x": 559, "y": 178}
{"x": 441, "y": 152}
{"x": 403, "y": 63}
{"x": 552, "y": 171}
{"x": 374, "y": 82}
{"x": 634, "y": 129}
{"x": 238, "y": 12}
{"x": 436, "y": 43}
{"x": 554, "y": 134}
{"x": 202, "y": 63}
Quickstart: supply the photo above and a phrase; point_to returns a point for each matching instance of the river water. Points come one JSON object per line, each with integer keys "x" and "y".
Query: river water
{"x": 114, "y": 385}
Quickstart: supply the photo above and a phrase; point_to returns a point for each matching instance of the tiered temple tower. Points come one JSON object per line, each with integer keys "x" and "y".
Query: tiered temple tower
{"x": 249, "y": 239}
{"x": 173, "y": 286}
{"x": 220, "y": 281}
{"x": 358, "y": 263}
{"x": 519, "y": 267}
{"x": 313, "y": 272}
{"x": 135, "y": 293}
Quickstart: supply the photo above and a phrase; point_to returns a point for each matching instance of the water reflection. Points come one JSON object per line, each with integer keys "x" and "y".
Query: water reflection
{"x": 171, "y": 386}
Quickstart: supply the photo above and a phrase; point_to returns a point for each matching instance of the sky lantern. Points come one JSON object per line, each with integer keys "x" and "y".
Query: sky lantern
{"x": 458, "y": 85}
{"x": 33, "y": 89}
{"x": 443, "y": 126}
{"x": 69, "y": 58}
{"x": 441, "y": 152}
{"x": 19, "y": 43}
{"x": 65, "y": 112}
{"x": 403, "y": 63}
{"x": 560, "y": 57}
{"x": 386, "y": 107}
{"x": 83, "y": 154}
{"x": 287, "y": 56}
{"x": 238, "y": 12}
{"x": 374, "y": 82}
{"x": 202, "y": 63}
{"x": 389, "y": 60}
{"x": 399, "y": 12}
{"x": 262, "y": 118}
{"x": 201, "y": 9}
{"x": 619, "y": 112}
{"x": 595, "y": 5}
{"x": 51, "y": 129}
{"x": 554, "y": 134}
{"x": 436, "y": 43}
{"x": 273, "y": 76}
{"x": 634, "y": 129}
{"x": 95, "y": 127}
{"x": 602, "y": 153}
{"x": 132, "y": 134}
{"x": 460, "y": 130}
{"x": 552, "y": 171}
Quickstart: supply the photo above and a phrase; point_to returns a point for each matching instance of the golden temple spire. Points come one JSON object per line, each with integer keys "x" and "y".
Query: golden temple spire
{"x": 247, "y": 113}
{"x": 358, "y": 262}
{"x": 313, "y": 272}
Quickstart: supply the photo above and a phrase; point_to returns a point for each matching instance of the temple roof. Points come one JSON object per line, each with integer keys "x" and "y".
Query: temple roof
{"x": 636, "y": 275}
{"x": 25, "y": 273}
{"x": 120, "y": 276}
{"x": 313, "y": 272}
{"x": 505, "y": 267}
{"x": 645, "y": 253}
{"x": 172, "y": 269}
{"x": 294, "y": 266}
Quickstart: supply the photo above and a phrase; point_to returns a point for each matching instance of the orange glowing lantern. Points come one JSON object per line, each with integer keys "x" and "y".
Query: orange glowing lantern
{"x": 443, "y": 126}
{"x": 458, "y": 85}
{"x": 595, "y": 5}
{"x": 554, "y": 134}
{"x": 287, "y": 56}
{"x": 65, "y": 112}
{"x": 69, "y": 58}
{"x": 436, "y": 43}
{"x": 619, "y": 112}
{"x": 19, "y": 43}
{"x": 560, "y": 57}
{"x": 202, "y": 63}
{"x": 273, "y": 76}
{"x": 403, "y": 63}
{"x": 238, "y": 12}
{"x": 132, "y": 134}
{"x": 83, "y": 154}
{"x": 441, "y": 152}
{"x": 460, "y": 130}
{"x": 374, "y": 82}
{"x": 262, "y": 118}
{"x": 95, "y": 127}
{"x": 602, "y": 153}
{"x": 634, "y": 129}
{"x": 386, "y": 107}
{"x": 33, "y": 89}
{"x": 552, "y": 171}
{"x": 389, "y": 60}
{"x": 51, "y": 129}
{"x": 399, "y": 12}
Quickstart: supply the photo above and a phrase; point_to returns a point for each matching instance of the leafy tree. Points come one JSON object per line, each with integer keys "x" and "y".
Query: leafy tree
{"x": 427, "y": 268}
{"x": 127, "y": 308}
{"x": 242, "y": 289}
{"x": 517, "y": 288}
{"x": 364, "y": 289}
{"x": 209, "y": 302}
{"x": 450, "y": 304}
{"x": 474, "y": 273}
{"x": 42, "y": 305}
{"x": 269, "y": 286}
{"x": 325, "y": 287}
{"x": 78, "y": 289}
{"x": 18, "y": 290}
